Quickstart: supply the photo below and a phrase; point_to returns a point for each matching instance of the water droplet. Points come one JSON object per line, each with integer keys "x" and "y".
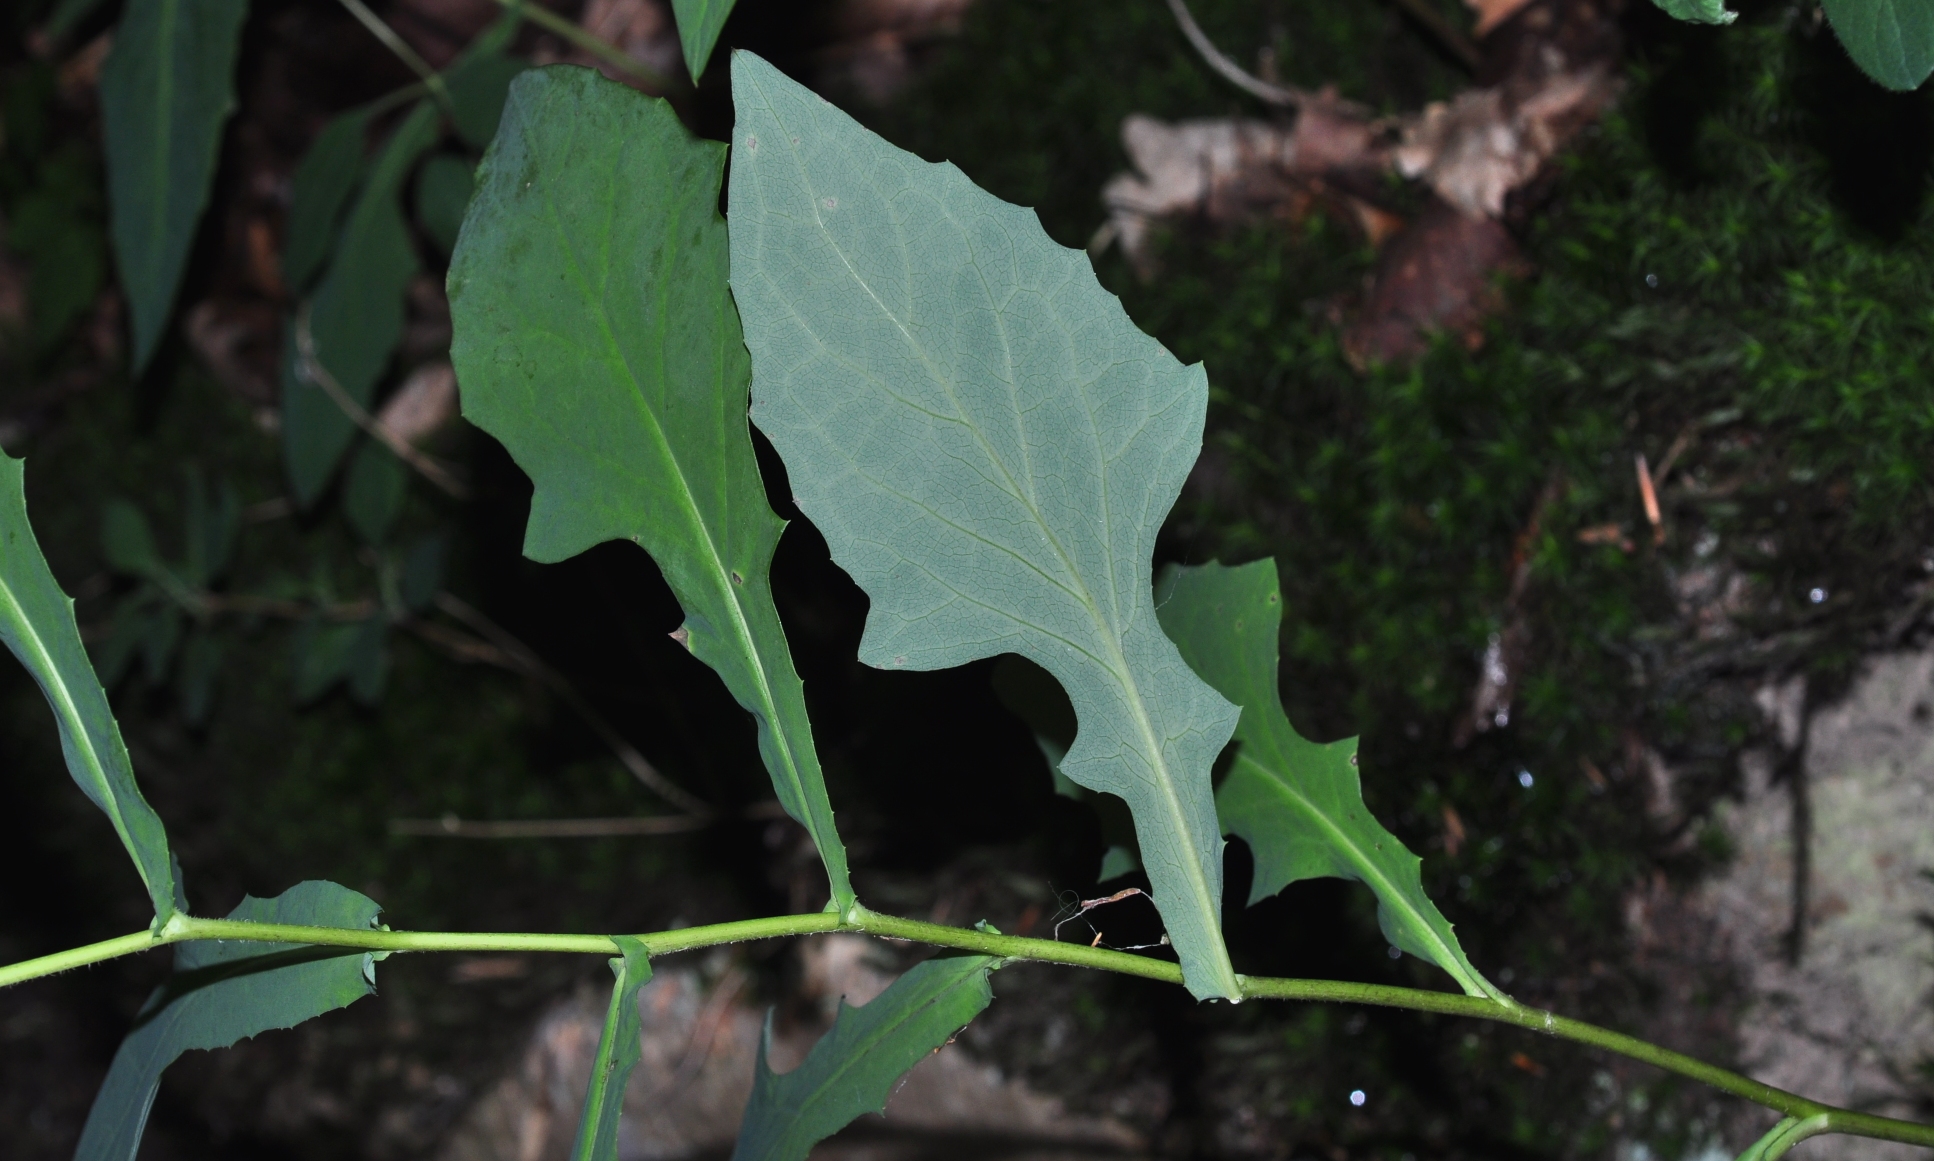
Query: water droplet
{"x": 1357, "y": 1098}
{"x": 1396, "y": 952}
{"x": 1652, "y": 280}
{"x": 1524, "y": 779}
{"x": 1817, "y": 596}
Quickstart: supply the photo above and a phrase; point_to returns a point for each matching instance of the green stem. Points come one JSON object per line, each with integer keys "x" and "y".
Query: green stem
{"x": 1804, "y": 1118}
{"x": 603, "y": 49}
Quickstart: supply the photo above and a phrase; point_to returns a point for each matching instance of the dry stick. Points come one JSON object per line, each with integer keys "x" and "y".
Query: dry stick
{"x": 450, "y": 826}
{"x": 1650, "y": 497}
{"x": 431, "y": 79}
{"x": 310, "y": 369}
{"x": 532, "y": 665}
{"x": 1231, "y": 71}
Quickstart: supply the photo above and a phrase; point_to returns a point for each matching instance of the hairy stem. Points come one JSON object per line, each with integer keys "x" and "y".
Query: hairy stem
{"x": 1804, "y": 1118}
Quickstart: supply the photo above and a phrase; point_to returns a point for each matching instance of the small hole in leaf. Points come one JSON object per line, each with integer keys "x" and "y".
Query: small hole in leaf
{"x": 737, "y": 579}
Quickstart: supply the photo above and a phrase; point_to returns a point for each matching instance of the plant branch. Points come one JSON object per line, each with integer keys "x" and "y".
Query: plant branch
{"x": 597, "y": 46}
{"x": 310, "y": 368}
{"x": 400, "y": 48}
{"x": 1232, "y": 72}
{"x": 1804, "y": 1118}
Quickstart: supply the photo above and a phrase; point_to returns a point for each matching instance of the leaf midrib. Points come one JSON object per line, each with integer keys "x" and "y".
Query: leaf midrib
{"x": 1380, "y": 883}
{"x": 70, "y": 718}
{"x": 721, "y": 574}
{"x": 1118, "y": 662}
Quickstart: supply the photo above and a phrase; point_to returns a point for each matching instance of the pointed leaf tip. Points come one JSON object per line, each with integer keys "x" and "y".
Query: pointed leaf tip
{"x": 854, "y": 1067}
{"x": 1298, "y": 804}
{"x": 37, "y": 623}
{"x": 224, "y": 991}
{"x": 699, "y": 25}
{"x": 989, "y": 446}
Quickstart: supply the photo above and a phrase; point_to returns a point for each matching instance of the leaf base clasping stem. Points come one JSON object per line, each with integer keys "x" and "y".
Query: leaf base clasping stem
{"x": 1803, "y": 1118}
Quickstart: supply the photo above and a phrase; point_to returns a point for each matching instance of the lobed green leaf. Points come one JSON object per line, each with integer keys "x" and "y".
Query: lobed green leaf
{"x": 166, "y": 90}
{"x": 595, "y": 337}
{"x": 854, "y": 1067}
{"x": 1299, "y": 804}
{"x": 619, "y": 1050}
{"x": 225, "y": 991}
{"x": 37, "y": 623}
{"x": 989, "y": 446}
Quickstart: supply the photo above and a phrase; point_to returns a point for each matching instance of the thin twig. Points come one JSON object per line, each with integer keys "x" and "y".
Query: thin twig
{"x": 310, "y": 369}
{"x": 1231, "y": 71}
{"x": 534, "y": 666}
{"x": 453, "y": 827}
{"x": 590, "y": 42}
{"x": 1440, "y": 30}
{"x": 432, "y": 80}
{"x": 1649, "y": 496}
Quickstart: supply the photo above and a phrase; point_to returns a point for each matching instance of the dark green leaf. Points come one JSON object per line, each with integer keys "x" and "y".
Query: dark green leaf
{"x": 37, "y": 623}
{"x": 989, "y": 446}
{"x": 158, "y": 649}
{"x": 211, "y": 528}
{"x": 1891, "y": 40}
{"x": 373, "y": 493}
{"x": 224, "y": 991}
{"x": 56, "y": 226}
{"x": 853, "y": 1068}
{"x": 1698, "y": 11}
{"x": 422, "y": 574}
{"x": 595, "y": 337}
{"x": 69, "y": 15}
{"x": 166, "y": 89}
{"x": 1298, "y": 804}
{"x": 125, "y": 638}
{"x": 618, "y": 1053}
{"x": 443, "y": 188}
{"x": 201, "y": 664}
{"x": 699, "y": 25}
{"x": 127, "y": 540}
{"x": 369, "y": 661}
{"x": 478, "y": 86}
{"x": 356, "y": 317}
{"x": 321, "y": 655}
{"x": 320, "y": 192}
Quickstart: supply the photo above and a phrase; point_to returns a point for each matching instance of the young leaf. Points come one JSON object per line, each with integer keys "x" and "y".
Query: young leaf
{"x": 1891, "y": 40}
{"x": 356, "y": 317}
{"x": 1698, "y": 11}
{"x": 127, "y": 540}
{"x": 224, "y": 991}
{"x": 321, "y": 188}
{"x": 699, "y": 25}
{"x": 618, "y": 1053}
{"x": 595, "y": 337}
{"x": 373, "y": 493}
{"x": 166, "y": 89}
{"x": 853, "y": 1068}
{"x": 1297, "y": 803}
{"x": 989, "y": 446}
{"x": 443, "y": 188}
{"x": 37, "y": 623}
